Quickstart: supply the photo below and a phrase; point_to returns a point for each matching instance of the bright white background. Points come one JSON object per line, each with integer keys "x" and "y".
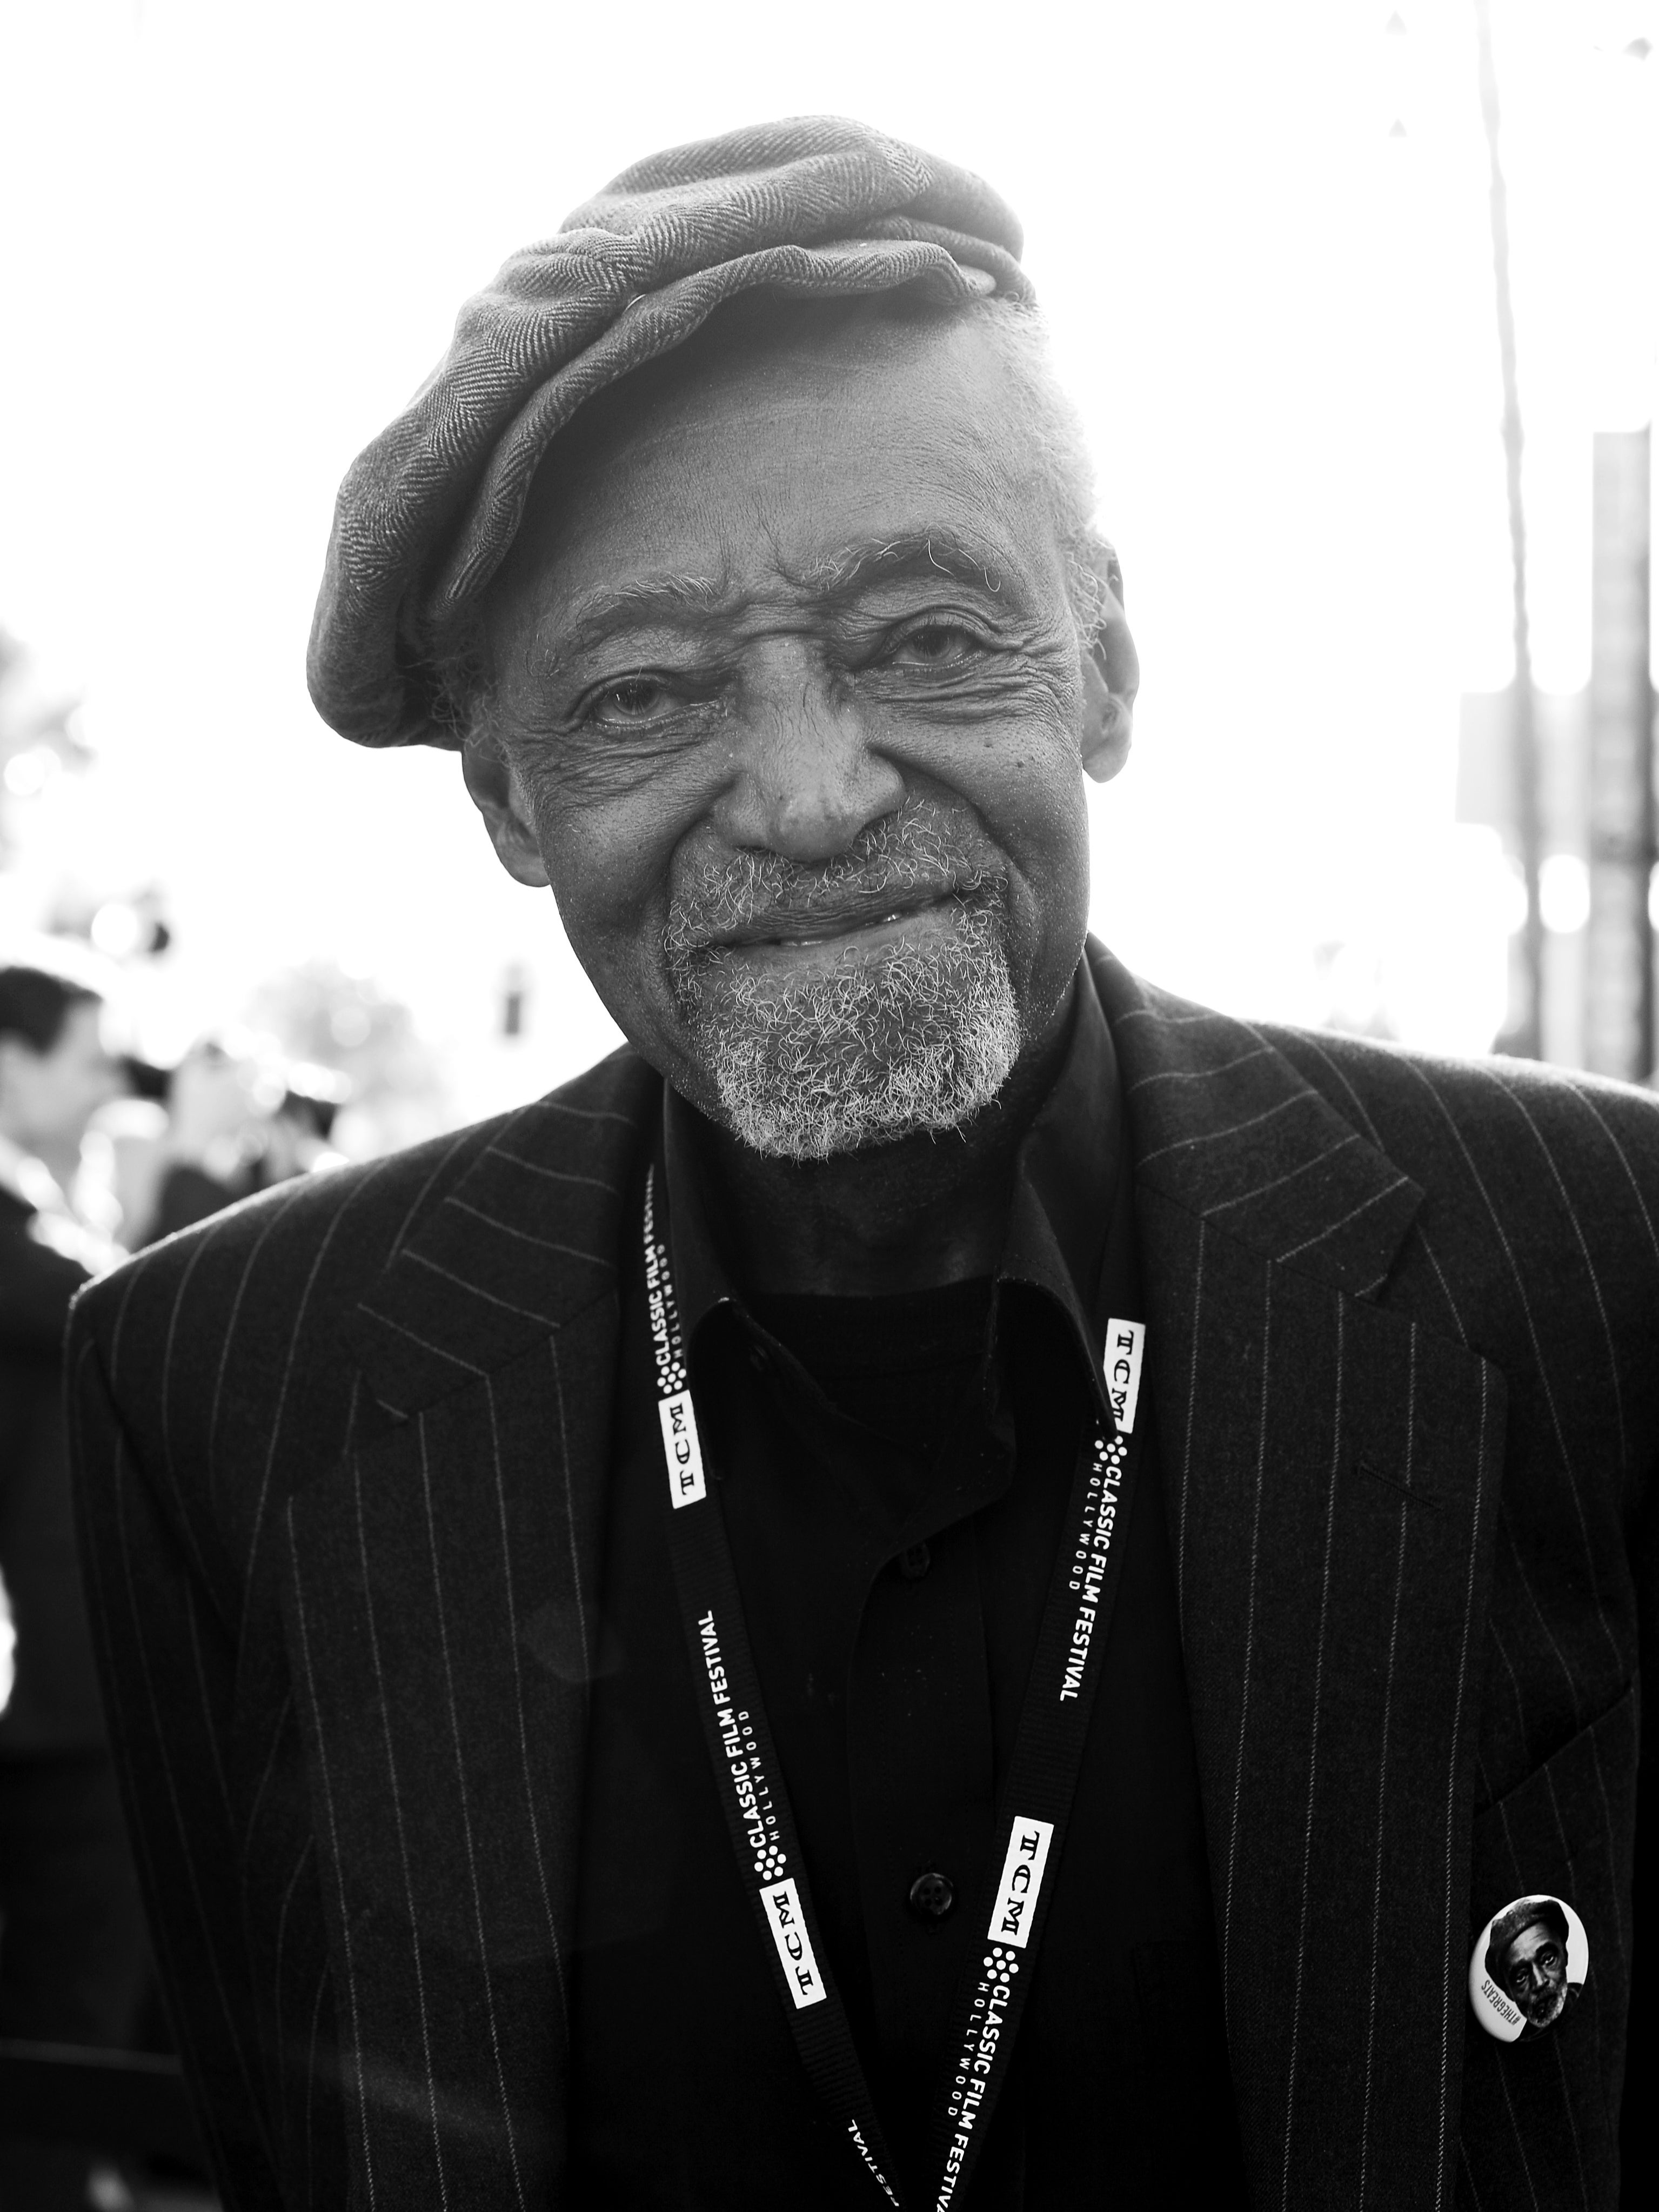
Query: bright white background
{"x": 236, "y": 238}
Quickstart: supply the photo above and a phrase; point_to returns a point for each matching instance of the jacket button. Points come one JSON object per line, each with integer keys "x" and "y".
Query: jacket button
{"x": 931, "y": 1896}
{"x": 914, "y": 1563}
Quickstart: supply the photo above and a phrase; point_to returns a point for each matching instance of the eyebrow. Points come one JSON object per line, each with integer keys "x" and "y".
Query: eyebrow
{"x": 682, "y": 599}
{"x": 920, "y": 554}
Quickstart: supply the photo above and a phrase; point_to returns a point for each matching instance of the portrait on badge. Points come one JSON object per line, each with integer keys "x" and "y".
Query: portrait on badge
{"x": 912, "y": 1590}
{"x": 1530, "y": 1964}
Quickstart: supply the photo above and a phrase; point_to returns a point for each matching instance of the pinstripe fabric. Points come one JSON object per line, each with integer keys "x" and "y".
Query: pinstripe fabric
{"x": 343, "y": 1454}
{"x": 342, "y": 1551}
{"x": 1406, "y": 1313}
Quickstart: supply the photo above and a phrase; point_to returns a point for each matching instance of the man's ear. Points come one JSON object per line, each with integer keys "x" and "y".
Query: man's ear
{"x": 1111, "y": 675}
{"x": 489, "y": 784}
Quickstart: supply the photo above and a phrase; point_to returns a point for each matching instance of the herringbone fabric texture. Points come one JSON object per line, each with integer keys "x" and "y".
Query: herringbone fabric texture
{"x": 342, "y": 1455}
{"x": 814, "y": 206}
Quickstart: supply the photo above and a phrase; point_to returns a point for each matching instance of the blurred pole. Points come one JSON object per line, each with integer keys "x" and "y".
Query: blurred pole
{"x": 1619, "y": 943}
{"x": 1526, "y": 1035}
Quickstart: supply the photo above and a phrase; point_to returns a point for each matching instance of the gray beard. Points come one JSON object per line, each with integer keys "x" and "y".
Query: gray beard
{"x": 1546, "y": 2007}
{"x": 916, "y": 1038}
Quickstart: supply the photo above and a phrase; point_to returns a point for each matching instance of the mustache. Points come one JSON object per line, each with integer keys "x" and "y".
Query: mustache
{"x": 906, "y": 854}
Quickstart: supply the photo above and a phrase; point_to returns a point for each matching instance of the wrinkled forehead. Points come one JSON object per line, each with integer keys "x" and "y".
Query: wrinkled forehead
{"x": 810, "y": 441}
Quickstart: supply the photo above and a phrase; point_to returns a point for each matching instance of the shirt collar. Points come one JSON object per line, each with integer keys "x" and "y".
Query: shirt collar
{"x": 1065, "y": 1181}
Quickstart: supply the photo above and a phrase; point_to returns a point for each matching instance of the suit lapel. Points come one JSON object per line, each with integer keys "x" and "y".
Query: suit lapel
{"x": 527, "y": 1238}
{"x": 439, "y": 1615}
{"x": 1330, "y": 1468}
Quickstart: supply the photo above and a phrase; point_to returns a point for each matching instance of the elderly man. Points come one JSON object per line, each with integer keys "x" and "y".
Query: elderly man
{"x": 915, "y": 1590}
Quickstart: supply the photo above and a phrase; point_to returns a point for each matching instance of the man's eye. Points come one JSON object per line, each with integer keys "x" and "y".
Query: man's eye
{"x": 635, "y": 700}
{"x": 936, "y": 645}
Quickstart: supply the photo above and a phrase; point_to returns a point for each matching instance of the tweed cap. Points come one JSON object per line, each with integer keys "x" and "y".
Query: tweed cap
{"x": 815, "y": 206}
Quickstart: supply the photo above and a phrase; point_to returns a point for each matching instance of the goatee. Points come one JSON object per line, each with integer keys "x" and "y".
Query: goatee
{"x": 917, "y": 1035}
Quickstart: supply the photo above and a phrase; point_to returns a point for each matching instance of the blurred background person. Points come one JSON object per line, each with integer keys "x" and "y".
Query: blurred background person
{"x": 236, "y": 1121}
{"x": 196, "y": 1163}
{"x": 72, "y": 1946}
{"x": 297, "y": 1138}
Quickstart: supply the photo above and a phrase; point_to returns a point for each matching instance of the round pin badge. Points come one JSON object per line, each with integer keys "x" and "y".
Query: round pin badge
{"x": 1529, "y": 1964}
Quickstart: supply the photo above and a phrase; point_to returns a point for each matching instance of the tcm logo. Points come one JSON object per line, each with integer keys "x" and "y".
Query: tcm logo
{"x": 1022, "y": 1880}
{"x": 681, "y": 1449}
{"x": 1125, "y": 1342}
{"x": 794, "y": 1944}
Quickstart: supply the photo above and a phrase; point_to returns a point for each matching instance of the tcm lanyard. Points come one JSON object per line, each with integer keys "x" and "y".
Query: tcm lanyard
{"x": 1037, "y": 1797}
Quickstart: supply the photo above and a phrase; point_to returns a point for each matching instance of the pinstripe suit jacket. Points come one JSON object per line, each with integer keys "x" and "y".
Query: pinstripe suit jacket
{"x": 342, "y": 1455}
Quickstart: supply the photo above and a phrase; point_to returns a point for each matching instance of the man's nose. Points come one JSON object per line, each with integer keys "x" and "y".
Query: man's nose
{"x": 805, "y": 780}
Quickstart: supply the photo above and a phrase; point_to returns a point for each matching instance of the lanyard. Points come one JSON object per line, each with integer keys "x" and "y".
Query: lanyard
{"x": 1037, "y": 1796}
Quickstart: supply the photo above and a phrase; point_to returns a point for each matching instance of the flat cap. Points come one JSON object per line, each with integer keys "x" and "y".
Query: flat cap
{"x": 815, "y": 206}
{"x": 1514, "y": 1920}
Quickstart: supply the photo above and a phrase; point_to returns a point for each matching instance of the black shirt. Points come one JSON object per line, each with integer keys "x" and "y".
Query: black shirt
{"x": 894, "y": 1474}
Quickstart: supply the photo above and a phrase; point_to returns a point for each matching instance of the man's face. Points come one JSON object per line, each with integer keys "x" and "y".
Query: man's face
{"x": 49, "y": 1097}
{"x": 1535, "y": 1974}
{"x": 794, "y": 708}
